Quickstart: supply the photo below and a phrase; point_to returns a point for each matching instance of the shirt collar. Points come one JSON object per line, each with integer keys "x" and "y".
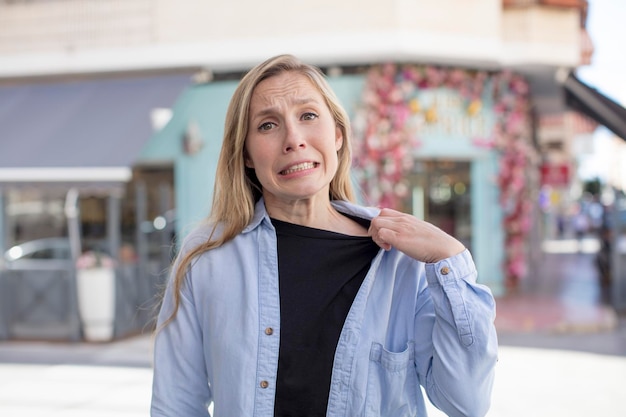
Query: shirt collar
{"x": 260, "y": 215}
{"x": 345, "y": 207}
{"x": 356, "y": 210}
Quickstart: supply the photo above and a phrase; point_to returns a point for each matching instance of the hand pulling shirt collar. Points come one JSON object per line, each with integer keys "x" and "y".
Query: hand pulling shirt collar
{"x": 410, "y": 325}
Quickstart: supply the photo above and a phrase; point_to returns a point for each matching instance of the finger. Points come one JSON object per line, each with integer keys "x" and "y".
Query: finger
{"x": 383, "y": 245}
{"x": 395, "y": 223}
{"x": 388, "y": 236}
{"x": 374, "y": 232}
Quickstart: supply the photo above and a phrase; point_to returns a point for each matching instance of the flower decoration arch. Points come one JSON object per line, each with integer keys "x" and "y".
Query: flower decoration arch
{"x": 387, "y": 127}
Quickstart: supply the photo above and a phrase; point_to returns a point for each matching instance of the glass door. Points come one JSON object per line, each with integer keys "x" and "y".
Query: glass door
{"x": 440, "y": 194}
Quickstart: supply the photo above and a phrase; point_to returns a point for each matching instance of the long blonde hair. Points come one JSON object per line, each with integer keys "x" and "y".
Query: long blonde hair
{"x": 236, "y": 188}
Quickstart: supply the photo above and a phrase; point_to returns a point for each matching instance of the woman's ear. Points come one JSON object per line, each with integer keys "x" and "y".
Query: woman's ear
{"x": 338, "y": 139}
{"x": 246, "y": 160}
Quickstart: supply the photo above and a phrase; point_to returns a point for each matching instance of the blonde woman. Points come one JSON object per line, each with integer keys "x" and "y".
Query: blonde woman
{"x": 292, "y": 300}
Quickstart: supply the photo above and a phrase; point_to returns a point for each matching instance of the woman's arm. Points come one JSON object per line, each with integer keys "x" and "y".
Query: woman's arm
{"x": 463, "y": 342}
{"x": 456, "y": 343}
{"x": 180, "y": 384}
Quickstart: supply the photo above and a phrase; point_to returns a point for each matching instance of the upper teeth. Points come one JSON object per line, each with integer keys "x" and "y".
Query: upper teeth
{"x": 299, "y": 167}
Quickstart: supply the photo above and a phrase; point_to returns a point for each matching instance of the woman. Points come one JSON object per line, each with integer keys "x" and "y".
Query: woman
{"x": 294, "y": 301}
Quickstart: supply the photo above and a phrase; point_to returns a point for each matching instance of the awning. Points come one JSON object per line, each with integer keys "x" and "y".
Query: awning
{"x": 85, "y": 130}
{"x": 587, "y": 100}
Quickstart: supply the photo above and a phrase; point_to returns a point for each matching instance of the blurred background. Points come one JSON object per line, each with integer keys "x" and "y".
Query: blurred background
{"x": 500, "y": 121}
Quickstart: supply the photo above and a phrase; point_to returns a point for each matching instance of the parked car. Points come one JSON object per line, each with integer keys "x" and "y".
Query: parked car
{"x": 43, "y": 253}
{"x": 48, "y": 248}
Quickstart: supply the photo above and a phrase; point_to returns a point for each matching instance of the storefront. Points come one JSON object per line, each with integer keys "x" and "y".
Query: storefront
{"x": 71, "y": 182}
{"x": 452, "y": 146}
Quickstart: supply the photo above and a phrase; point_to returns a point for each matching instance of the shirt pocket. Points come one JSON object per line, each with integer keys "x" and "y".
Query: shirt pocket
{"x": 392, "y": 385}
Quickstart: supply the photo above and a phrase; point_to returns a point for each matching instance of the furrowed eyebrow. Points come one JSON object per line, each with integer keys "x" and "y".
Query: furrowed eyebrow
{"x": 304, "y": 100}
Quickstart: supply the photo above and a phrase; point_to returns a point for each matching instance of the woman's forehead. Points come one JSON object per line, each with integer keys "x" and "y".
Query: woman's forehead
{"x": 291, "y": 85}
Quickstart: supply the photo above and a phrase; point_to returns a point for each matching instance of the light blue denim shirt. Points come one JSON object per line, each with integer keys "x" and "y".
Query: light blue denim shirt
{"x": 410, "y": 324}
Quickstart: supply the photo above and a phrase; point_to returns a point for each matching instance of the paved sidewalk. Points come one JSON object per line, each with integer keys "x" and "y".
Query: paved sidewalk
{"x": 562, "y": 294}
{"x": 135, "y": 351}
{"x": 31, "y": 390}
{"x": 529, "y": 382}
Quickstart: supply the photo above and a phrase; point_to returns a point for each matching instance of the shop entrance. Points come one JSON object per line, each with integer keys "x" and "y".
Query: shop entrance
{"x": 440, "y": 194}
{"x": 46, "y": 230}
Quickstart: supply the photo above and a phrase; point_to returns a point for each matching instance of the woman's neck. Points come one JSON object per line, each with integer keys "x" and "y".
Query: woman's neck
{"x": 319, "y": 215}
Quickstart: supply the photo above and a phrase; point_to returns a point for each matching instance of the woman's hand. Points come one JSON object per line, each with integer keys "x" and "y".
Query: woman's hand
{"x": 416, "y": 238}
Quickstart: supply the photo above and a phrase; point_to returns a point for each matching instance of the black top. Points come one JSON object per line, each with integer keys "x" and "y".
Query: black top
{"x": 320, "y": 273}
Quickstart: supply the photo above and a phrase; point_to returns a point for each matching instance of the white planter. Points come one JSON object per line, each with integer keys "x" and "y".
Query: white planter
{"x": 96, "y": 302}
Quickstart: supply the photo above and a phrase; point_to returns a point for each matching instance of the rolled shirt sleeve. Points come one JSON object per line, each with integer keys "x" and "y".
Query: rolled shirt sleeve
{"x": 458, "y": 372}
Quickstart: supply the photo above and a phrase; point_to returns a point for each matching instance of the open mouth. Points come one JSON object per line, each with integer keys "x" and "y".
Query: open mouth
{"x": 299, "y": 167}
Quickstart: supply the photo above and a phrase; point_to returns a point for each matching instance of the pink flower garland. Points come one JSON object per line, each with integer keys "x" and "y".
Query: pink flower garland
{"x": 386, "y": 135}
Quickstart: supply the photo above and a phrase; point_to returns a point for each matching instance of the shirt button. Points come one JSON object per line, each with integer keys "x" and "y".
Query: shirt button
{"x": 445, "y": 270}
{"x": 264, "y": 384}
{"x": 269, "y": 331}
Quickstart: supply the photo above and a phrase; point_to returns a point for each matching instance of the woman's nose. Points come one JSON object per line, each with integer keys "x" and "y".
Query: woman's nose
{"x": 294, "y": 137}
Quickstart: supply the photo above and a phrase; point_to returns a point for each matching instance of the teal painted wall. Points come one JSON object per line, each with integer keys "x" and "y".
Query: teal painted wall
{"x": 195, "y": 174}
{"x": 348, "y": 89}
{"x": 488, "y": 235}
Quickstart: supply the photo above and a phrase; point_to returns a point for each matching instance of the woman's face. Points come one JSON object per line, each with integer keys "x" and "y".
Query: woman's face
{"x": 292, "y": 140}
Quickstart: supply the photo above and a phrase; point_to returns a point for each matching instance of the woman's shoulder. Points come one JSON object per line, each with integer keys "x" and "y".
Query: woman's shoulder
{"x": 199, "y": 235}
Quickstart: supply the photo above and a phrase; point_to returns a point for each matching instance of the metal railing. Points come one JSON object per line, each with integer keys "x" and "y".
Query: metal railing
{"x": 40, "y": 303}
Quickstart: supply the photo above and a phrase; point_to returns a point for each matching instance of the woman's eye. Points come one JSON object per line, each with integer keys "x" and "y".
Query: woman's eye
{"x": 309, "y": 116}
{"x": 266, "y": 126}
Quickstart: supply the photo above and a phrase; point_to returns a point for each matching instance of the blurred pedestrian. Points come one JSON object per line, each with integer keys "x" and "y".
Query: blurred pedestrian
{"x": 604, "y": 254}
{"x": 581, "y": 225}
{"x": 560, "y": 225}
{"x": 294, "y": 301}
